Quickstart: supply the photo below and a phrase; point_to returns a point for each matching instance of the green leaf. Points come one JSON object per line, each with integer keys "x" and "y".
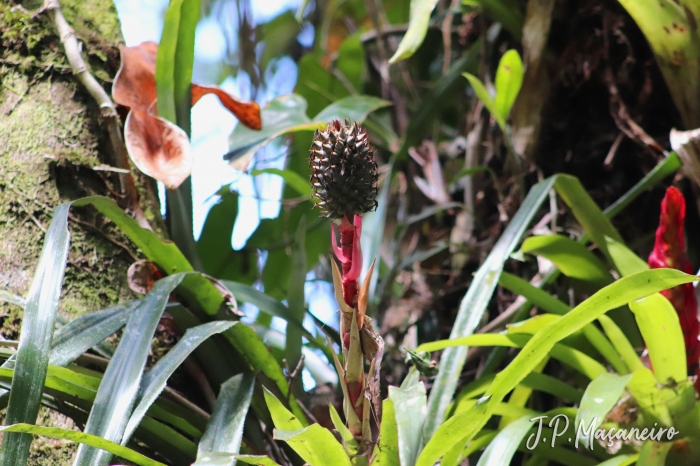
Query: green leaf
{"x": 281, "y": 416}
{"x": 485, "y": 98}
{"x": 258, "y": 357}
{"x": 214, "y": 244}
{"x": 349, "y": 441}
{"x": 504, "y": 445}
{"x": 35, "y": 337}
{"x": 225, "y": 429}
{"x": 410, "y": 411}
{"x": 386, "y": 453}
{"x": 226, "y": 459}
{"x": 588, "y": 214}
{"x": 315, "y": 444}
{"x": 175, "y": 62}
{"x": 417, "y": 28}
{"x": 287, "y": 114}
{"x": 463, "y": 426}
{"x": 196, "y": 289}
{"x": 85, "y": 439}
{"x": 8, "y": 297}
{"x": 506, "y": 12}
{"x": 572, "y": 258}
{"x": 86, "y": 331}
{"x": 548, "y": 384}
{"x": 626, "y": 261}
{"x": 165, "y": 63}
{"x": 293, "y": 179}
{"x": 601, "y": 395}
{"x": 654, "y": 453}
{"x": 577, "y": 360}
{"x": 622, "y": 345}
{"x": 154, "y": 380}
{"x": 117, "y": 393}
{"x": 509, "y": 79}
{"x": 667, "y": 167}
{"x": 658, "y": 321}
{"x": 353, "y": 108}
{"x": 472, "y": 307}
{"x": 538, "y": 297}
{"x": 351, "y": 62}
{"x": 620, "y": 460}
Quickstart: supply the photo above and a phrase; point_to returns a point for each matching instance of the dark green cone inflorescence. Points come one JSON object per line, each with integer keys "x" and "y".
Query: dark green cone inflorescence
{"x": 343, "y": 170}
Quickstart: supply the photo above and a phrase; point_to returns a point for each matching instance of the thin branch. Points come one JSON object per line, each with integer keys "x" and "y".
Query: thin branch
{"x": 447, "y": 35}
{"x": 107, "y": 108}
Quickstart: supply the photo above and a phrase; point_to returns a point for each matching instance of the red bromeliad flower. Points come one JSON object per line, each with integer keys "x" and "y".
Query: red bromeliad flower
{"x": 344, "y": 182}
{"x": 669, "y": 252}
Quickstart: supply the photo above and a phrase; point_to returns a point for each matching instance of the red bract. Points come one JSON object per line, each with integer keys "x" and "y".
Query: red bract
{"x": 669, "y": 252}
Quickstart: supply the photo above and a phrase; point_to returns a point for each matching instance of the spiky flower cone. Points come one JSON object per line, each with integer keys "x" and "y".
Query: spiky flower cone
{"x": 343, "y": 170}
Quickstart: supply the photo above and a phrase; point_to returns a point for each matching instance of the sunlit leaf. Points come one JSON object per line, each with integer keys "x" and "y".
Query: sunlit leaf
{"x": 463, "y": 426}
{"x": 386, "y": 452}
{"x": 572, "y": 258}
{"x": 504, "y": 445}
{"x": 417, "y": 28}
{"x": 509, "y": 79}
{"x": 601, "y": 395}
{"x": 661, "y": 329}
{"x": 85, "y": 439}
{"x": 315, "y": 444}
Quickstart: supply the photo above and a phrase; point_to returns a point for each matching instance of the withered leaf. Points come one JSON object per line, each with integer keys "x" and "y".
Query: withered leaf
{"x": 158, "y": 147}
{"x": 142, "y": 275}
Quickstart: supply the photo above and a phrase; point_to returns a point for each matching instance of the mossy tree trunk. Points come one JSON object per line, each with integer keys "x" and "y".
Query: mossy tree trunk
{"x": 54, "y": 148}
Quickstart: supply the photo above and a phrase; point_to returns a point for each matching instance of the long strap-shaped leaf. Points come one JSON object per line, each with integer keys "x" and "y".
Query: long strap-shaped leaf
{"x": 225, "y": 429}
{"x": 86, "y": 439}
{"x": 463, "y": 426}
{"x": 472, "y": 307}
{"x": 83, "y": 333}
{"x": 35, "y": 339}
{"x": 474, "y": 303}
{"x": 200, "y": 293}
{"x": 155, "y": 379}
{"x": 117, "y": 393}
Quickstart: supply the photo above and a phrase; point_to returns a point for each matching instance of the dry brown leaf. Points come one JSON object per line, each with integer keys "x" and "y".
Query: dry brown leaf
{"x": 142, "y": 275}
{"x": 158, "y": 147}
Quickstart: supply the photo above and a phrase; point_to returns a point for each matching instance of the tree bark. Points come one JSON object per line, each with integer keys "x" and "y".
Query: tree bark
{"x": 53, "y": 148}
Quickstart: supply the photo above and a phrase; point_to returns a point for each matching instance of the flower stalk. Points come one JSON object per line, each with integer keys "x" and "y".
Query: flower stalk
{"x": 344, "y": 180}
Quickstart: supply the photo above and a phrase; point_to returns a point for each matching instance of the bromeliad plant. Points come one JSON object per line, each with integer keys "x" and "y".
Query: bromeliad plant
{"x": 656, "y": 395}
{"x": 344, "y": 182}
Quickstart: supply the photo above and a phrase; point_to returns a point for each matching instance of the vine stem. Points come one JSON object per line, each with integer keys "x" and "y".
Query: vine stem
{"x": 107, "y": 107}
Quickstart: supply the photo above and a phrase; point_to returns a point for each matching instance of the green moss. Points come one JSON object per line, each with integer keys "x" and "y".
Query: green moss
{"x": 59, "y": 451}
{"x": 52, "y": 134}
